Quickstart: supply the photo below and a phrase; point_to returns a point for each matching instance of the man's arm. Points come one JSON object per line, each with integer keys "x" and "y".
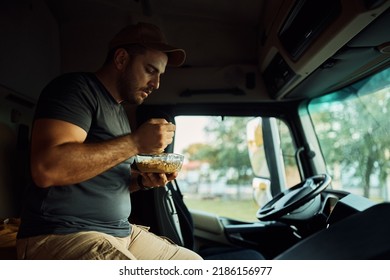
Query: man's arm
{"x": 59, "y": 155}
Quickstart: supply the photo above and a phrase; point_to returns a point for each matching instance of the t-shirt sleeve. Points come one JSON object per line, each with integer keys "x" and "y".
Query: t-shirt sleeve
{"x": 68, "y": 98}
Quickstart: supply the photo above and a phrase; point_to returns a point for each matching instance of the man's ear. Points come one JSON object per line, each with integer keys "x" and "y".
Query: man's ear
{"x": 120, "y": 58}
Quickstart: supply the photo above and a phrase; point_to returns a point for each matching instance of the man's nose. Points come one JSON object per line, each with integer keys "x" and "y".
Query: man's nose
{"x": 155, "y": 82}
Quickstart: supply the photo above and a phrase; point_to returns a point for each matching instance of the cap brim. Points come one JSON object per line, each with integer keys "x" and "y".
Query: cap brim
{"x": 176, "y": 56}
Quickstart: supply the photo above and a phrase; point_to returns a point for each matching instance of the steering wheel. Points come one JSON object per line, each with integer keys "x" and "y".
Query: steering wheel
{"x": 293, "y": 198}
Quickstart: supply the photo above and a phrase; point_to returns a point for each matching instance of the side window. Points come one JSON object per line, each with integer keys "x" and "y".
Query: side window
{"x": 225, "y": 169}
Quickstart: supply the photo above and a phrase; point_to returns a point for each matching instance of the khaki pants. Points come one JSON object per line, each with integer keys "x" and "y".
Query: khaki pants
{"x": 91, "y": 245}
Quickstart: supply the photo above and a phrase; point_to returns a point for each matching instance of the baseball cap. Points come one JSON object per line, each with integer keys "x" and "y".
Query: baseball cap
{"x": 150, "y": 36}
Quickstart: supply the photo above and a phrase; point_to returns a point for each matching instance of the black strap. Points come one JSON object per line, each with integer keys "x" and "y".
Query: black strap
{"x": 184, "y": 215}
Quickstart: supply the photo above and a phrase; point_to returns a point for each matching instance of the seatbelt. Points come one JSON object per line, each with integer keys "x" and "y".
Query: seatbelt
{"x": 186, "y": 227}
{"x": 173, "y": 213}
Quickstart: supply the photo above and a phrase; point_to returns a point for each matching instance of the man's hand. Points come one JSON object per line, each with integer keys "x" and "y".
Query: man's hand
{"x": 153, "y": 136}
{"x": 150, "y": 180}
{"x": 157, "y": 179}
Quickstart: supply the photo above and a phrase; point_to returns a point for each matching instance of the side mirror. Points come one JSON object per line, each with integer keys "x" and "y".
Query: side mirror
{"x": 255, "y": 143}
{"x": 261, "y": 184}
{"x": 261, "y": 191}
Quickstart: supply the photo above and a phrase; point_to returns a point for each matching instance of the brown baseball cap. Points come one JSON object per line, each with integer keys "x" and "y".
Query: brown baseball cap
{"x": 150, "y": 36}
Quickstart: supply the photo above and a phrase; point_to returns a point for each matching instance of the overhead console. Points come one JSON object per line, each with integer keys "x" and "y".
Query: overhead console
{"x": 305, "y": 22}
{"x": 302, "y": 35}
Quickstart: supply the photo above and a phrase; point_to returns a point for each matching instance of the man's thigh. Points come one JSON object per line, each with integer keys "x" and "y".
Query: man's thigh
{"x": 76, "y": 246}
{"x": 145, "y": 245}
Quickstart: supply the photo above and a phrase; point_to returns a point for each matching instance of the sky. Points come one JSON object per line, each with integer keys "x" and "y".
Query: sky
{"x": 189, "y": 130}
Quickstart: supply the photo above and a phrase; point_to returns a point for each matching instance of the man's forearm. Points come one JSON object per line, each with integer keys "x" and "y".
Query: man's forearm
{"x": 71, "y": 163}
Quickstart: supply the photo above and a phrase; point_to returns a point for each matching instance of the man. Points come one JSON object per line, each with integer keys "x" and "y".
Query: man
{"x": 82, "y": 149}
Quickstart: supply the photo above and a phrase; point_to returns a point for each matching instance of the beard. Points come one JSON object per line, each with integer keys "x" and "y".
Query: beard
{"x": 128, "y": 89}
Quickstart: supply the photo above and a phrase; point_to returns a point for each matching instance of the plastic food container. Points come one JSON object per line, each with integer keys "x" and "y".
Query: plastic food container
{"x": 159, "y": 163}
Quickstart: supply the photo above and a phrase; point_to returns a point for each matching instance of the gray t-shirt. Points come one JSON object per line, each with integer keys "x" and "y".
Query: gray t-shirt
{"x": 98, "y": 204}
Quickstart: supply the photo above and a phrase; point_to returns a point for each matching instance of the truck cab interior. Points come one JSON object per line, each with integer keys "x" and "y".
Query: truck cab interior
{"x": 281, "y": 111}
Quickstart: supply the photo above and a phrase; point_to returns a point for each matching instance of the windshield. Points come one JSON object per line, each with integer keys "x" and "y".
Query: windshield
{"x": 353, "y": 130}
